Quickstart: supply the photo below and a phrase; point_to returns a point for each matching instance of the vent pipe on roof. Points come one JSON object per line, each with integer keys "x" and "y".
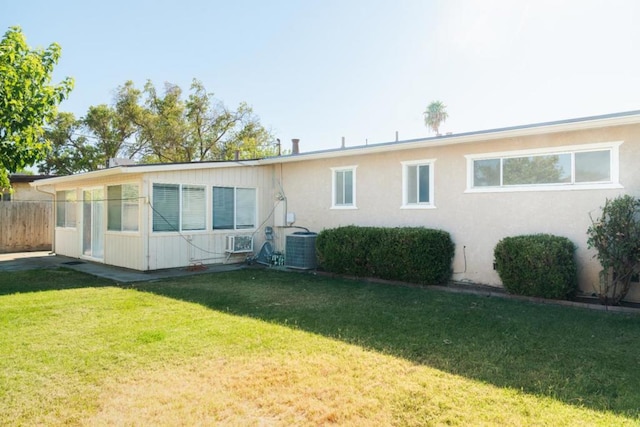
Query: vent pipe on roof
{"x": 279, "y": 147}
{"x": 295, "y": 146}
{"x": 236, "y": 155}
{"x": 343, "y": 144}
{"x": 396, "y": 136}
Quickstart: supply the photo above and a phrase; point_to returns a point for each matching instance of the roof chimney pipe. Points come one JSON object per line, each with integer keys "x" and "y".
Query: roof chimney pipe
{"x": 295, "y": 146}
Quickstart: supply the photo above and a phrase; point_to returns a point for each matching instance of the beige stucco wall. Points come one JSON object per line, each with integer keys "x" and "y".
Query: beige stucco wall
{"x": 476, "y": 221}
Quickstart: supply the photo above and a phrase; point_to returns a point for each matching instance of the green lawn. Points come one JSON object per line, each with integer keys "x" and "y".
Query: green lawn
{"x": 263, "y": 347}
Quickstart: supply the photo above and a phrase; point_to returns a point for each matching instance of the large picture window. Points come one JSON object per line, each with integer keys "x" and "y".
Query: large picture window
{"x": 343, "y": 187}
{"x": 594, "y": 165}
{"x": 179, "y": 207}
{"x": 122, "y": 207}
{"x": 234, "y": 208}
{"x": 66, "y": 208}
{"x": 417, "y": 184}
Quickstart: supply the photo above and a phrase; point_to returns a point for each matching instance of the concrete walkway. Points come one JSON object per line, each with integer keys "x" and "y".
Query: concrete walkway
{"x": 22, "y": 261}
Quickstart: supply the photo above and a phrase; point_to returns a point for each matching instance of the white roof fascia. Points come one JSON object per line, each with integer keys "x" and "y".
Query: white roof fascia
{"x": 138, "y": 169}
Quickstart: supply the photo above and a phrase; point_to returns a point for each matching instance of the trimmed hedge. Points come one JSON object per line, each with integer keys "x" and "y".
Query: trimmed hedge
{"x": 539, "y": 265}
{"x": 416, "y": 255}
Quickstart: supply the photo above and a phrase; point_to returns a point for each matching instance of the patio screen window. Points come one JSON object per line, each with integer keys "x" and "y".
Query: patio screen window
{"x": 344, "y": 187}
{"x": 178, "y": 207}
{"x": 234, "y": 208}
{"x": 122, "y": 207}
{"x": 66, "y": 208}
{"x": 417, "y": 184}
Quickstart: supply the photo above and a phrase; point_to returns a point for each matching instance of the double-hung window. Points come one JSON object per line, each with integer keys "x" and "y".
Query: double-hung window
{"x": 179, "y": 207}
{"x": 234, "y": 208}
{"x": 417, "y": 184}
{"x": 562, "y": 168}
{"x": 343, "y": 188}
{"x": 122, "y": 207}
{"x": 66, "y": 208}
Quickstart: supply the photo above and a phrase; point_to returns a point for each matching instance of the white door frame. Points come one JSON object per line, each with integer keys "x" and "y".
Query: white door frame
{"x": 93, "y": 227}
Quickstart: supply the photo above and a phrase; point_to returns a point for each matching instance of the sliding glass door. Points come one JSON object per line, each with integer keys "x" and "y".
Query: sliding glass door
{"x": 93, "y": 223}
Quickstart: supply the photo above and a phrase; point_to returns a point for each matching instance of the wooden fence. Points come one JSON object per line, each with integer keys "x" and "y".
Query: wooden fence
{"x": 25, "y": 226}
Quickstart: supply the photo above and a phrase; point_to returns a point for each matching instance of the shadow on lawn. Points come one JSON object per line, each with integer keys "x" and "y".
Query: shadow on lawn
{"x": 56, "y": 279}
{"x": 577, "y": 356}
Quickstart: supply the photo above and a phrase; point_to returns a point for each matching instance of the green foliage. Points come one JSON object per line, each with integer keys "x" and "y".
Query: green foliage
{"x": 198, "y": 129}
{"x": 27, "y": 101}
{"x": 435, "y": 115}
{"x": 417, "y": 255}
{"x": 115, "y": 125}
{"x": 539, "y": 265}
{"x": 161, "y": 127}
{"x": 70, "y": 152}
{"x": 616, "y": 237}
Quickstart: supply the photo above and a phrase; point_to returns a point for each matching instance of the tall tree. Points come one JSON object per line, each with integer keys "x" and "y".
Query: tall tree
{"x": 115, "y": 126}
{"x": 27, "y": 101}
{"x": 163, "y": 128}
{"x": 70, "y": 150}
{"x": 200, "y": 128}
{"x": 251, "y": 141}
{"x": 435, "y": 115}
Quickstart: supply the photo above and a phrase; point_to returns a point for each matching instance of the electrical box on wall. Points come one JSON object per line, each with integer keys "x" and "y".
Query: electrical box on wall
{"x": 291, "y": 218}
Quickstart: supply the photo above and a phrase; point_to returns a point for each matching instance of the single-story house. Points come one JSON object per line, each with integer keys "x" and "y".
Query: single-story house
{"x": 479, "y": 186}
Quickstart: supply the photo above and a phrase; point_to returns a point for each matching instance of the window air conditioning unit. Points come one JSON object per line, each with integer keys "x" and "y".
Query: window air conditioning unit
{"x": 238, "y": 244}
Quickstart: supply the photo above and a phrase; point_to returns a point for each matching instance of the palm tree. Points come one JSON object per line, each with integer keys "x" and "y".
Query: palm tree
{"x": 435, "y": 114}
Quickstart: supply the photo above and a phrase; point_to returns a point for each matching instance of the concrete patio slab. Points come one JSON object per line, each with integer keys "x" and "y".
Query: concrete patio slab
{"x": 23, "y": 261}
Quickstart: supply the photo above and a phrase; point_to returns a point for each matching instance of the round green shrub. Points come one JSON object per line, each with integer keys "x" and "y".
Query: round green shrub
{"x": 539, "y": 265}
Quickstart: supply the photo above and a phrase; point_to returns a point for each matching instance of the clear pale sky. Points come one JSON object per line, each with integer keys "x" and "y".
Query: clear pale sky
{"x": 319, "y": 70}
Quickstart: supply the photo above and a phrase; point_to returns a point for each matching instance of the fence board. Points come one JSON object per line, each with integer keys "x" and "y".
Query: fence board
{"x": 25, "y": 226}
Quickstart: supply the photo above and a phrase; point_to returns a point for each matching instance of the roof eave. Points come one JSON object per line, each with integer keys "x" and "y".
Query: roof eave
{"x": 632, "y": 117}
{"x": 138, "y": 169}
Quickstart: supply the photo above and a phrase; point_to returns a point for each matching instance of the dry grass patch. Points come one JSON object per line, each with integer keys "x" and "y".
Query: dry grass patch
{"x": 343, "y": 385}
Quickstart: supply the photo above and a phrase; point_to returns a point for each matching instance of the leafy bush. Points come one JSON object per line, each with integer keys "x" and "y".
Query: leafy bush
{"x": 540, "y": 265}
{"x": 616, "y": 237}
{"x": 416, "y": 255}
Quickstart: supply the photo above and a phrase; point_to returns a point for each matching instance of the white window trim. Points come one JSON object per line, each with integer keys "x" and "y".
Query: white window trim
{"x": 235, "y": 210}
{"x": 333, "y": 187}
{"x": 180, "y": 230}
{"x": 614, "y": 183}
{"x": 73, "y": 204}
{"x": 431, "y": 203}
{"x": 126, "y": 232}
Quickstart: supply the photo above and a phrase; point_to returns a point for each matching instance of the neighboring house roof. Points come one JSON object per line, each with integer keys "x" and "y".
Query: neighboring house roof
{"x": 583, "y": 123}
{"x": 17, "y": 178}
